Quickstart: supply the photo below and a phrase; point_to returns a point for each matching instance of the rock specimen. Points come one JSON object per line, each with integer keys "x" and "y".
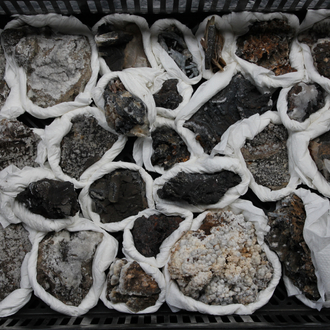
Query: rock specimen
{"x": 4, "y": 89}
{"x": 149, "y": 233}
{"x": 172, "y": 40}
{"x": 58, "y": 66}
{"x": 50, "y": 198}
{"x": 84, "y": 145}
{"x": 305, "y": 99}
{"x": 168, "y": 148}
{"x": 268, "y": 43}
{"x": 221, "y": 263}
{"x": 18, "y": 144}
{"x": 240, "y": 99}
{"x": 64, "y": 266}
{"x": 168, "y": 96}
{"x": 118, "y": 195}
{"x": 121, "y": 48}
{"x": 125, "y": 112}
{"x": 266, "y": 157}
{"x": 15, "y": 244}
{"x": 199, "y": 188}
{"x": 128, "y": 283}
{"x": 286, "y": 239}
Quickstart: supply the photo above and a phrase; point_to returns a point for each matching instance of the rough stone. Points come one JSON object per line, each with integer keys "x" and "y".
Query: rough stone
{"x": 321, "y": 56}
{"x": 18, "y": 144}
{"x": 168, "y": 148}
{"x": 266, "y": 157}
{"x": 118, "y": 195}
{"x": 267, "y": 43}
{"x": 50, "y": 198}
{"x": 4, "y": 89}
{"x": 240, "y": 99}
{"x": 199, "y": 188}
{"x": 149, "y": 233}
{"x": 15, "y": 244}
{"x": 168, "y": 96}
{"x": 84, "y": 145}
{"x": 128, "y": 283}
{"x": 58, "y": 66}
{"x": 286, "y": 239}
{"x": 64, "y": 265}
{"x": 125, "y": 112}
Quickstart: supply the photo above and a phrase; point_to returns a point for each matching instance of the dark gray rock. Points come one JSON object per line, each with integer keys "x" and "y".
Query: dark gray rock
{"x": 4, "y": 89}
{"x": 168, "y": 96}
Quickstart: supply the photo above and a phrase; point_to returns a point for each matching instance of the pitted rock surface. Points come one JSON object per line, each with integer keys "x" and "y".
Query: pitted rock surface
{"x": 4, "y": 89}
{"x": 168, "y": 96}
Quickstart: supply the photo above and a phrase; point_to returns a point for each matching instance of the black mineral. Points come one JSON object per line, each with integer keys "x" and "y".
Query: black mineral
{"x": 168, "y": 96}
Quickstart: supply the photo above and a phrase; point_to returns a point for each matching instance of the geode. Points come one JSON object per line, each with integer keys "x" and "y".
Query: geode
{"x": 128, "y": 283}
{"x": 50, "y": 198}
{"x": 125, "y": 113}
{"x": 199, "y": 188}
{"x": 168, "y": 96}
{"x": 266, "y": 157}
{"x": 4, "y": 89}
{"x": 304, "y": 99}
{"x": 57, "y": 66}
{"x": 239, "y": 100}
{"x": 18, "y": 144}
{"x": 168, "y": 148}
{"x": 268, "y": 43}
{"x": 84, "y": 145}
{"x": 15, "y": 244}
{"x": 64, "y": 265}
{"x": 118, "y": 195}
{"x": 149, "y": 233}
{"x": 286, "y": 239}
{"x": 121, "y": 48}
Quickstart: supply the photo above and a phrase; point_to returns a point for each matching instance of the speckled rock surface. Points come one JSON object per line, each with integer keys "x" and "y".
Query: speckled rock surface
{"x": 4, "y": 89}
{"x": 286, "y": 239}
{"x": 14, "y": 245}
{"x": 128, "y": 283}
{"x": 168, "y": 96}
{"x": 84, "y": 145}
{"x": 18, "y": 144}
{"x": 266, "y": 157}
{"x": 57, "y": 66}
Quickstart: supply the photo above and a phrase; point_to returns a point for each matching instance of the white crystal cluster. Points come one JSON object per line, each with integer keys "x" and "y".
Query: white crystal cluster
{"x": 225, "y": 267}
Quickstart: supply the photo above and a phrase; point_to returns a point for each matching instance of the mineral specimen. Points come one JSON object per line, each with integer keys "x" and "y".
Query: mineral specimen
{"x": 84, "y": 145}
{"x": 199, "y": 188}
{"x": 240, "y": 99}
{"x": 222, "y": 265}
{"x": 121, "y": 48}
{"x": 168, "y": 148}
{"x": 4, "y": 89}
{"x": 50, "y": 198}
{"x": 118, "y": 195}
{"x": 58, "y": 66}
{"x": 268, "y": 43}
{"x": 266, "y": 157}
{"x": 149, "y": 233}
{"x": 64, "y": 266}
{"x": 172, "y": 40}
{"x": 305, "y": 99}
{"x": 125, "y": 112}
{"x": 128, "y": 283}
{"x": 15, "y": 244}
{"x": 286, "y": 239}
{"x": 18, "y": 144}
{"x": 168, "y": 96}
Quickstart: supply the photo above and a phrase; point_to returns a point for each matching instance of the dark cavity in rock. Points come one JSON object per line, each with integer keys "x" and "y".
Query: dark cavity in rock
{"x": 128, "y": 283}
{"x": 268, "y": 43}
{"x": 149, "y": 233}
{"x": 50, "y": 198}
{"x": 168, "y": 148}
{"x": 118, "y": 195}
{"x": 64, "y": 265}
{"x": 266, "y": 157}
{"x": 125, "y": 112}
{"x": 84, "y": 145}
{"x": 239, "y": 100}
{"x": 198, "y": 188}
{"x": 286, "y": 239}
{"x": 18, "y": 144}
{"x": 168, "y": 96}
